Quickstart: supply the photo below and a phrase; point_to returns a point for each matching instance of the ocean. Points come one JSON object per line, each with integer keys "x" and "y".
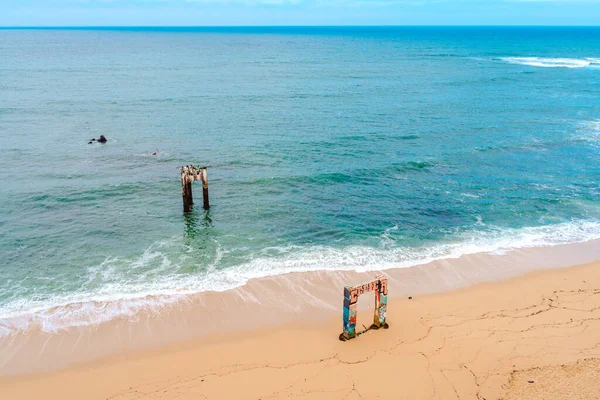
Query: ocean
{"x": 354, "y": 148}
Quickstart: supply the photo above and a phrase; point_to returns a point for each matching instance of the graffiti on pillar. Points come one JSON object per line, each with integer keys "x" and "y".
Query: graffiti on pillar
{"x": 351, "y": 294}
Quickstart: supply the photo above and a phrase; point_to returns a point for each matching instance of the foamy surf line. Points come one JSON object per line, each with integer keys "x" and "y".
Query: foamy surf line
{"x": 92, "y": 308}
{"x": 554, "y": 62}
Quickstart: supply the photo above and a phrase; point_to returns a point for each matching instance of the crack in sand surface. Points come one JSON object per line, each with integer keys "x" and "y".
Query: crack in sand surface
{"x": 486, "y": 333}
{"x": 480, "y": 343}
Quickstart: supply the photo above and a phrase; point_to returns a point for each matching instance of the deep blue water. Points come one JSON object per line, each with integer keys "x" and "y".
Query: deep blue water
{"x": 328, "y": 148}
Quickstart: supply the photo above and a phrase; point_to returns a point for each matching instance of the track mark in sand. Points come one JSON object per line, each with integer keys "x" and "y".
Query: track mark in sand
{"x": 501, "y": 342}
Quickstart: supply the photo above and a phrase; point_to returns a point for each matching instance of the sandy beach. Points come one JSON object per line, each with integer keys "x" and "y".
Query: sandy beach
{"x": 199, "y": 196}
{"x": 529, "y": 337}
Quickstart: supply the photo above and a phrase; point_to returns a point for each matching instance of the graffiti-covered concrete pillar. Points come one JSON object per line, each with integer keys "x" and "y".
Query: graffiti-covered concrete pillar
{"x": 351, "y": 294}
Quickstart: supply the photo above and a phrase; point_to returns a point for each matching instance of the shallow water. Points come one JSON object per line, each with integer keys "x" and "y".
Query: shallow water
{"x": 328, "y": 148}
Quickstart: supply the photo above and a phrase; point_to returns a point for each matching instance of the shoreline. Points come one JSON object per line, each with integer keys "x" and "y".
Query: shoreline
{"x": 87, "y": 308}
{"x": 307, "y": 297}
{"x": 482, "y": 341}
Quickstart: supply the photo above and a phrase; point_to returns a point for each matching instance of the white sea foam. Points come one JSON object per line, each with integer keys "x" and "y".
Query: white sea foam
{"x": 154, "y": 292}
{"x": 594, "y": 62}
{"x": 552, "y": 62}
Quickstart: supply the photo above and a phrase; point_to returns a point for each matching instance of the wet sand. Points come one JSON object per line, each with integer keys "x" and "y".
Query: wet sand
{"x": 482, "y": 342}
{"x": 309, "y": 297}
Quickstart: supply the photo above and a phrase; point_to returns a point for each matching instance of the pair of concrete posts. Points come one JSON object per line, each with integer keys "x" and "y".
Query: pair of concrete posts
{"x": 351, "y": 294}
{"x": 189, "y": 174}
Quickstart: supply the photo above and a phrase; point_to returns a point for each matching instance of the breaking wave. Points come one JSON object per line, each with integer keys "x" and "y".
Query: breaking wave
{"x": 554, "y": 62}
{"x": 126, "y": 299}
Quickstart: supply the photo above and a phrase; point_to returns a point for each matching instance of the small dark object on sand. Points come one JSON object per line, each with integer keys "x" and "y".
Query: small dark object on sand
{"x": 530, "y": 380}
{"x": 410, "y": 297}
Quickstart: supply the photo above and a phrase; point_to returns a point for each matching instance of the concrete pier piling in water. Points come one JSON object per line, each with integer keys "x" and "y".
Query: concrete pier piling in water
{"x": 205, "y": 188}
{"x": 189, "y": 174}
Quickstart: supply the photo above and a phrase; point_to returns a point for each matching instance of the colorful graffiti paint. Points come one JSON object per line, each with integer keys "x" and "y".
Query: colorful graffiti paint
{"x": 351, "y": 294}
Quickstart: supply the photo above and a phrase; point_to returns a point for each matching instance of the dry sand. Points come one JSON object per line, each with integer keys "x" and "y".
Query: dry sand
{"x": 482, "y": 342}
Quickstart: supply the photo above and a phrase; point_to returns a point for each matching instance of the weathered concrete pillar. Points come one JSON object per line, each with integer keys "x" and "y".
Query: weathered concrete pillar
{"x": 188, "y": 198}
{"x": 205, "y": 188}
{"x": 351, "y": 293}
{"x": 186, "y": 189}
{"x": 189, "y": 174}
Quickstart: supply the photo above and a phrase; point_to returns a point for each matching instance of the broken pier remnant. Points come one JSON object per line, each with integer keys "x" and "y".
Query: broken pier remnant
{"x": 189, "y": 174}
{"x": 351, "y": 294}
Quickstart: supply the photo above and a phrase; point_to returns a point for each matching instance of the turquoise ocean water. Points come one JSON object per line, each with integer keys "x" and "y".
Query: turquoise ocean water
{"x": 328, "y": 148}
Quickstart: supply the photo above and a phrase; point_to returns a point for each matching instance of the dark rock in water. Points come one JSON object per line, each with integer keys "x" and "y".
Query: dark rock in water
{"x": 102, "y": 139}
{"x": 90, "y": 142}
